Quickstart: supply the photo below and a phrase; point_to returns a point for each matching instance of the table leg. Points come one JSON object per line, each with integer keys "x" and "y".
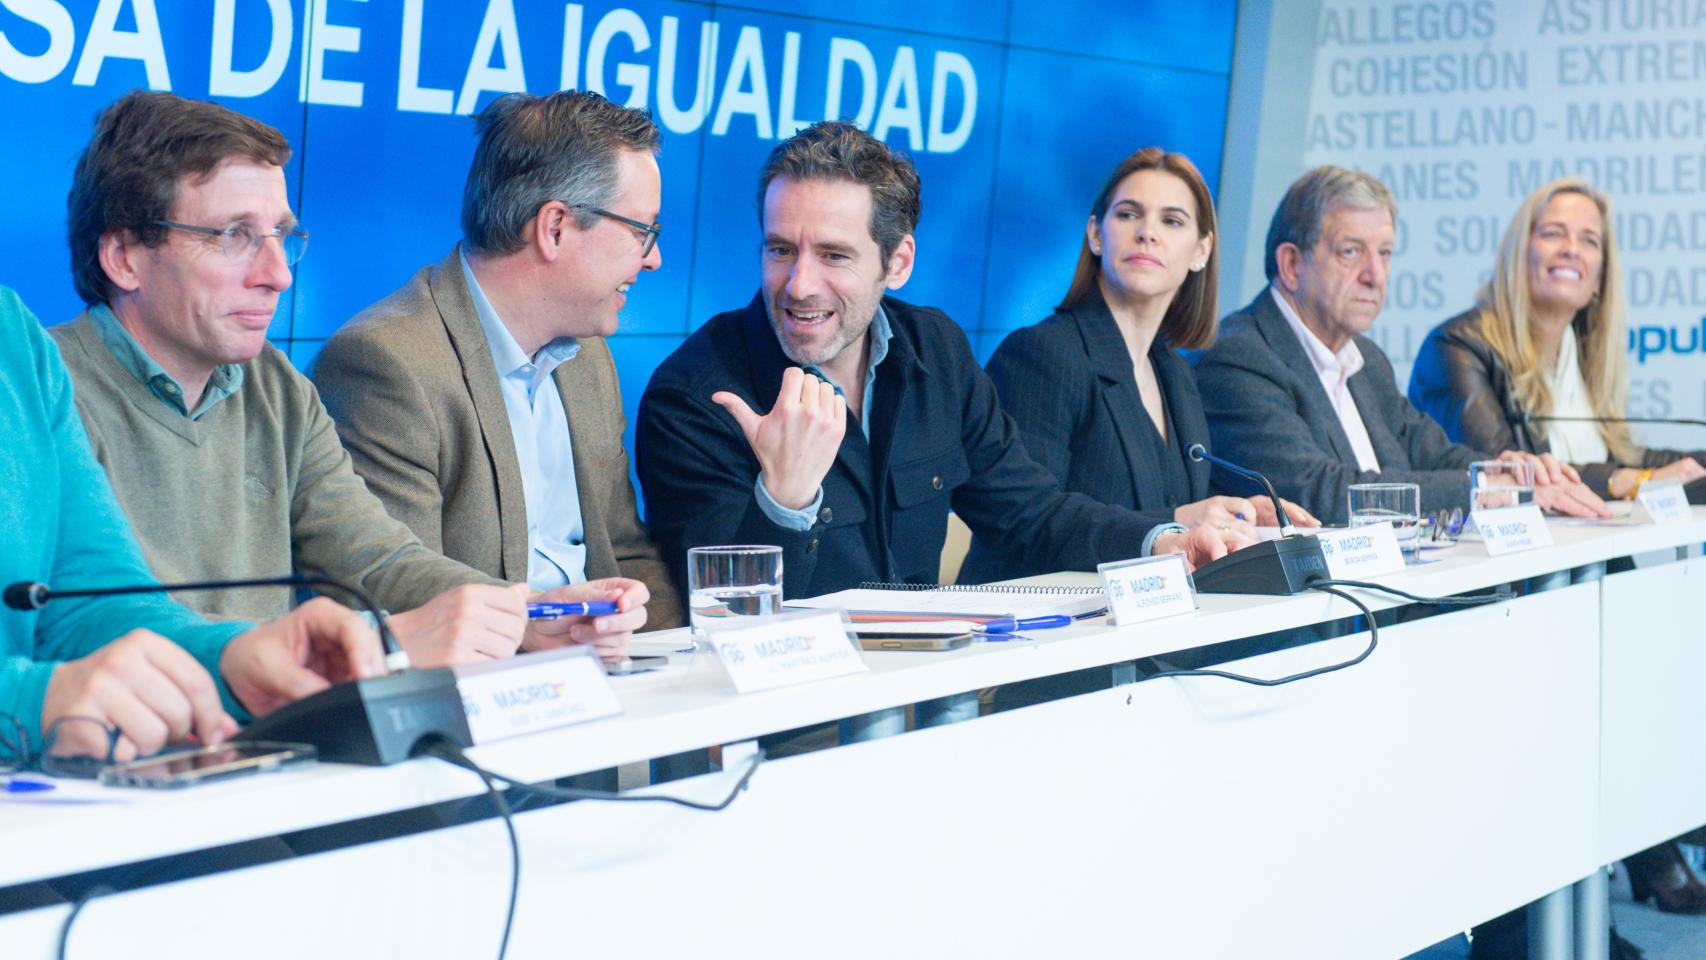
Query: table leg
{"x": 1593, "y": 916}
{"x": 1549, "y": 926}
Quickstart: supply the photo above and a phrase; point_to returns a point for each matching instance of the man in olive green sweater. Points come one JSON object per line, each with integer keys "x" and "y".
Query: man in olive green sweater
{"x": 220, "y": 452}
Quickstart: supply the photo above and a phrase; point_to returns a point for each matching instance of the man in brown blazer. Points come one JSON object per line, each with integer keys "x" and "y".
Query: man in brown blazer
{"x": 480, "y": 401}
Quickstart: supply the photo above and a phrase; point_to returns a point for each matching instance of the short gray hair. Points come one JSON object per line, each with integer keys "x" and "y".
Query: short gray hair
{"x": 534, "y": 150}
{"x": 1309, "y": 200}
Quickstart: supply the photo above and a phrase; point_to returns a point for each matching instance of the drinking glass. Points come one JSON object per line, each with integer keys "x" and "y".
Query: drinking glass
{"x": 1399, "y": 504}
{"x": 728, "y": 582}
{"x": 1500, "y": 483}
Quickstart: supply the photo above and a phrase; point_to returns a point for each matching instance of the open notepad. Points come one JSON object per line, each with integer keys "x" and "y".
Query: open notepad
{"x": 960, "y": 602}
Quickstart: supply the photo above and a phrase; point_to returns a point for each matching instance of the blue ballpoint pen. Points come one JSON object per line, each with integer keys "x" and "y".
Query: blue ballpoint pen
{"x": 15, "y": 785}
{"x": 551, "y": 611}
{"x": 1010, "y": 625}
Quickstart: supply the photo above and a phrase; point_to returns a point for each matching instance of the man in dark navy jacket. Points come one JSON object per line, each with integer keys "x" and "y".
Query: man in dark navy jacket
{"x": 843, "y": 424}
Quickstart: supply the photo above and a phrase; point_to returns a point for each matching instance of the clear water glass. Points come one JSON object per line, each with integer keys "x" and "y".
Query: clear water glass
{"x": 1398, "y": 504}
{"x": 1494, "y": 484}
{"x": 724, "y": 583}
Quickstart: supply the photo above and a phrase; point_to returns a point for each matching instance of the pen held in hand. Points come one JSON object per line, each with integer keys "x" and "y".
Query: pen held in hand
{"x": 551, "y": 611}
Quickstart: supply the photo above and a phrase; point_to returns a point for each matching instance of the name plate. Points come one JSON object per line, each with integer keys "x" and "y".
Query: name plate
{"x": 1356, "y": 552}
{"x": 1512, "y": 529}
{"x": 534, "y": 691}
{"x": 1148, "y": 588}
{"x": 786, "y": 649}
{"x": 1664, "y": 503}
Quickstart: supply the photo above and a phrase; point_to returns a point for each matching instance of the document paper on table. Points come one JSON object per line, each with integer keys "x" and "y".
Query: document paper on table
{"x": 867, "y": 605}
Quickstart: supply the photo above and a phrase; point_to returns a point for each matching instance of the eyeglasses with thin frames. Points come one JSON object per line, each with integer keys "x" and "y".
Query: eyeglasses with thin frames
{"x": 650, "y": 230}
{"x": 241, "y": 241}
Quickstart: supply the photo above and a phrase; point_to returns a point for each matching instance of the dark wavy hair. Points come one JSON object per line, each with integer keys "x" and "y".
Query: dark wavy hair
{"x": 838, "y": 150}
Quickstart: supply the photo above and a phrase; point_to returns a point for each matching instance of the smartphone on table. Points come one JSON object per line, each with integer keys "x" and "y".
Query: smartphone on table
{"x": 185, "y": 768}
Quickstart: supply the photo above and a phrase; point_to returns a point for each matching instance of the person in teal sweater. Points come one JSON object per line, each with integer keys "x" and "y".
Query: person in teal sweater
{"x": 142, "y": 664}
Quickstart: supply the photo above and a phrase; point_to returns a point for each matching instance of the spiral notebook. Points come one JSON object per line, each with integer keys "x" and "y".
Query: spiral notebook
{"x": 976, "y": 602}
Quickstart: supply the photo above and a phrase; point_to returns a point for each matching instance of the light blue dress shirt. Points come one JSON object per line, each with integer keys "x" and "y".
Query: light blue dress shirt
{"x": 802, "y": 519}
{"x": 556, "y": 535}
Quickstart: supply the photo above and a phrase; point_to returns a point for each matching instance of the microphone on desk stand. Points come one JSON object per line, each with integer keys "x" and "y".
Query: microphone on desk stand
{"x": 1519, "y": 418}
{"x": 1273, "y": 567}
{"x": 33, "y": 595}
{"x": 1198, "y": 453}
{"x": 376, "y": 721}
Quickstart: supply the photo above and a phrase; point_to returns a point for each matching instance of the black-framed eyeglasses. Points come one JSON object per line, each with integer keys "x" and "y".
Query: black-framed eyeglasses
{"x": 16, "y": 754}
{"x": 241, "y": 241}
{"x": 649, "y": 230}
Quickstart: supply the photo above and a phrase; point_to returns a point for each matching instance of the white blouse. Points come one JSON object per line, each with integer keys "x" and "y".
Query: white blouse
{"x": 1573, "y": 442}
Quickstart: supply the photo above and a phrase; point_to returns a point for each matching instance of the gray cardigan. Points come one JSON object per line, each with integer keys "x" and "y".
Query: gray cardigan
{"x": 1267, "y": 410}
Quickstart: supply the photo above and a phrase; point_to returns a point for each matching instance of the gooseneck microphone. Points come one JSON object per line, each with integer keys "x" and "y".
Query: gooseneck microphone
{"x": 1519, "y": 418}
{"x": 375, "y": 721}
{"x": 1273, "y": 567}
{"x": 1198, "y": 453}
{"x": 32, "y": 595}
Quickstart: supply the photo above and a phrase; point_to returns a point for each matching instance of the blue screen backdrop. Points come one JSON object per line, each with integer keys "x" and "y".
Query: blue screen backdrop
{"x": 1012, "y": 109}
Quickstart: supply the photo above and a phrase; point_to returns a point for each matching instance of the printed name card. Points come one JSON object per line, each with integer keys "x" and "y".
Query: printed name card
{"x": 1356, "y": 552}
{"x": 1148, "y": 588}
{"x": 1663, "y": 503}
{"x": 535, "y": 691}
{"x": 1512, "y": 529}
{"x": 786, "y": 649}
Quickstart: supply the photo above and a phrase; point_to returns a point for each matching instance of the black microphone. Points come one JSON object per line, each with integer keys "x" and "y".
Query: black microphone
{"x": 32, "y": 595}
{"x": 379, "y": 720}
{"x": 1519, "y": 418}
{"x": 1273, "y": 567}
{"x": 1198, "y": 453}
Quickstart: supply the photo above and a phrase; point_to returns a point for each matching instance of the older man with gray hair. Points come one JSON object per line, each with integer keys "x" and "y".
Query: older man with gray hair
{"x": 1293, "y": 388}
{"x": 480, "y": 401}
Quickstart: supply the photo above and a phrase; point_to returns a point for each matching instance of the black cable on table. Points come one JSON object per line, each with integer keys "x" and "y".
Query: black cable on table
{"x": 1331, "y": 587}
{"x": 508, "y": 815}
{"x": 1373, "y": 641}
{"x": 1463, "y": 600}
{"x": 77, "y": 906}
{"x": 456, "y": 756}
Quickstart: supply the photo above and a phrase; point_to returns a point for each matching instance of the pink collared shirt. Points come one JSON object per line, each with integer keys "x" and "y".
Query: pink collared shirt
{"x": 1335, "y": 371}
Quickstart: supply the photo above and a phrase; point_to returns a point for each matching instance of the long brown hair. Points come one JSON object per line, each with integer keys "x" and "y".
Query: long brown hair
{"x": 1190, "y": 321}
{"x": 1503, "y": 319}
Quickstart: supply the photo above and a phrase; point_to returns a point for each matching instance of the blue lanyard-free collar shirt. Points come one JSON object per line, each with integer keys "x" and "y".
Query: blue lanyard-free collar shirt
{"x": 556, "y": 535}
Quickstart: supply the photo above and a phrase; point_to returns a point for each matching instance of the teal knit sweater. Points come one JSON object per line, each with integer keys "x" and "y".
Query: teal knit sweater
{"x": 59, "y": 524}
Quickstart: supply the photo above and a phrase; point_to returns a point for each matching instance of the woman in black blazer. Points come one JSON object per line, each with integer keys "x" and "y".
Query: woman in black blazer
{"x": 1100, "y": 398}
{"x": 1547, "y": 338}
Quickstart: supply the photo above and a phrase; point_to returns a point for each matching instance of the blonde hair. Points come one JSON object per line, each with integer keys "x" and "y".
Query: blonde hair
{"x": 1504, "y": 304}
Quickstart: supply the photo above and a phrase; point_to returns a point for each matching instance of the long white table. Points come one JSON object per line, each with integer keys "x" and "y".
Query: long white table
{"x": 1479, "y": 760}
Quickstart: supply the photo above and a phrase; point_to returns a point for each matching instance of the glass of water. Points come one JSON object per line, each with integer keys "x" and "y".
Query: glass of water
{"x": 728, "y": 582}
{"x": 1399, "y": 504}
{"x": 1500, "y": 483}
